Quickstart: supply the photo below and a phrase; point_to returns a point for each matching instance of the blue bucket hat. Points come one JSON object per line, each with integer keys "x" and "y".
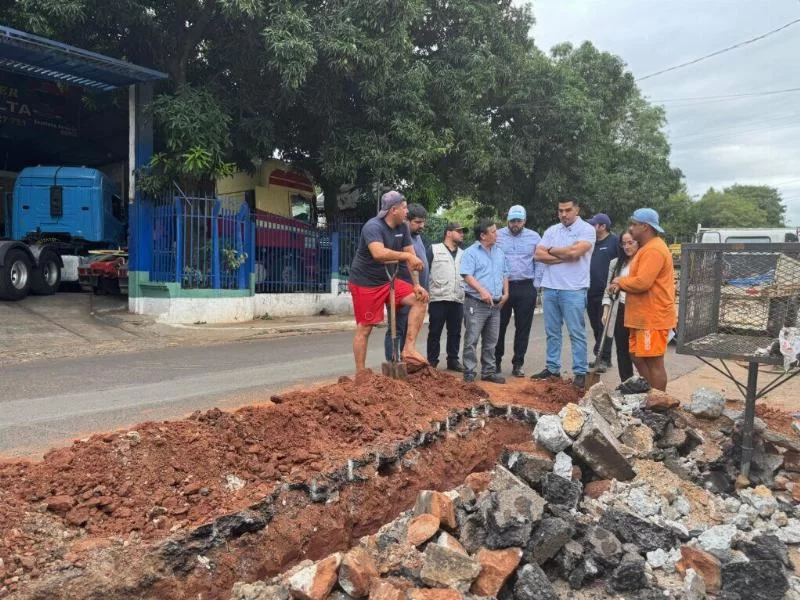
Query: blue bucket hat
{"x": 647, "y": 216}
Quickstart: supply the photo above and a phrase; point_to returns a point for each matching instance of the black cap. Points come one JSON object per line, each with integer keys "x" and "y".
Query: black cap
{"x": 454, "y": 227}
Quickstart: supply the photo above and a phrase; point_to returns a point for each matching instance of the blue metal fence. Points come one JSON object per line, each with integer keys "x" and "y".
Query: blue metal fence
{"x": 202, "y": 243}
{"x": 348, "y": 235}
{"x": 211, "y": 243}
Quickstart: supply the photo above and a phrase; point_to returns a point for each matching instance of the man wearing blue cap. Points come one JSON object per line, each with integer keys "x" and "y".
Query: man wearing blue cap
{"x": 566, "y": 252}
{"x": 650, "y": 298}
{"x": 518, "y": 243}
{"x": 606, "y": 248}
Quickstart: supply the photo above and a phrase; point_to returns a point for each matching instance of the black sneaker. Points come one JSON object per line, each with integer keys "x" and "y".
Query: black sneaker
{"x": 495, "y": 378}
{"x": 579, "y": 381}
{"x": 545, "y": 374}
{"x": 634, "y": 385}
{"x": 518, "y": 372}
{"x": 603, "y": 366}
{"x": 455, "y": 366}
{"x": 469, "y": 377}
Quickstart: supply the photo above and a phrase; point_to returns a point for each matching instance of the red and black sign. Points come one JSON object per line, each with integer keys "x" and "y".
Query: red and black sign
{"x": 36, "y": 105}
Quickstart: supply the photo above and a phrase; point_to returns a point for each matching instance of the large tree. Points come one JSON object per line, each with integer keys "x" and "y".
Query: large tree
{"x": 575, "y": 124}
{"x": 740, "y": 206}
{"x": 443, "y": 98}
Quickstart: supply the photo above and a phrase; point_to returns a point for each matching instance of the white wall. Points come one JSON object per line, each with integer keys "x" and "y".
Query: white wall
{"x": 301, "y": 305}
{"x": 237, "y": 310}
{"x": 194, "y": 310}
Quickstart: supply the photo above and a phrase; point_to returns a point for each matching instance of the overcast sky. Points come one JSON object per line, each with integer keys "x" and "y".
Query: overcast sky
{"x": 718, "y": 142}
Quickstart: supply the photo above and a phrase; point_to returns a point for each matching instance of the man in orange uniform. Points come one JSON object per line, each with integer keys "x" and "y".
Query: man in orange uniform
{"x": 650, "y": 302}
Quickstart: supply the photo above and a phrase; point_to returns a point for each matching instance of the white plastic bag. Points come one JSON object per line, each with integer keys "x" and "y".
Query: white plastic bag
{"x": 790, "y": 345}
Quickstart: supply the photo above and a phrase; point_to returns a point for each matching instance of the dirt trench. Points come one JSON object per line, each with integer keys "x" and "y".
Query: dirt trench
{"x": 184, "y": 509}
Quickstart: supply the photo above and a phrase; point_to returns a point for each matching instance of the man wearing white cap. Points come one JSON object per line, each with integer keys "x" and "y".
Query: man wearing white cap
{"x": 518, "y": 243}
{"x": 650, "y": 298}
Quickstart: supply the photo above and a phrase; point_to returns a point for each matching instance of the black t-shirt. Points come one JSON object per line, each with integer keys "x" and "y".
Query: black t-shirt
{"x": 604, "y": 252}
{"x": 365, "y": 270}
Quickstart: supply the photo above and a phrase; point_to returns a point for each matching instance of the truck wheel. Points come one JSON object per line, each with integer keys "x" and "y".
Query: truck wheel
{"x": 15, "y": 276}
{"x": 47, "y": 276}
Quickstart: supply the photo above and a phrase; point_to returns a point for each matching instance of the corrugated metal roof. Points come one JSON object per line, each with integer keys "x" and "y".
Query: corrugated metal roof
{"x": 35, "y": 56}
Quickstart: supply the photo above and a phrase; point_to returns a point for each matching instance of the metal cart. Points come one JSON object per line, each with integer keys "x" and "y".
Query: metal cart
{"x": 735, "y": 300}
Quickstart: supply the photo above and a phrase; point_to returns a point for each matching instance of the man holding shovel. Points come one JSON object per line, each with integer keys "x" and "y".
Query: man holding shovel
{"x": 385, "y": 239}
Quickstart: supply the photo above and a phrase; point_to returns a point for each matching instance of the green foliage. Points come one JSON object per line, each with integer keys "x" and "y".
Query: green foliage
{"x": 444, "y": 99}
{"x": 197, "y": 140}
{"x": 677, "y": 215}
{"x": 740, "y": 206}
{"x": 466, "y": 212}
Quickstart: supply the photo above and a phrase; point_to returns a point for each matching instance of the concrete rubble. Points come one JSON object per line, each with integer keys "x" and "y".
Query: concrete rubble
{"x": 621, "y": 496}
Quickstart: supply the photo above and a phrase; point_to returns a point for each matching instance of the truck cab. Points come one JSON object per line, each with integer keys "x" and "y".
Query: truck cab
{"x": 67, "y": 203}
{"x": 284, "y": 204}
{"x": 746, "y": 235}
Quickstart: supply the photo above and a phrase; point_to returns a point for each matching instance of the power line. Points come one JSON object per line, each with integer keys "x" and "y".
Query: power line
{"x": 718, "y": 52}
{"x": 726, "y": 96}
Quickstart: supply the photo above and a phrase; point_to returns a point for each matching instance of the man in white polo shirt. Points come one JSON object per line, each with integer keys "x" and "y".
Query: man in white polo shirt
{"x": 566, "y": 253}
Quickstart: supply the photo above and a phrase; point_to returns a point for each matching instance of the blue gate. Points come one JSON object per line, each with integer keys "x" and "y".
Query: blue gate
{"x": 202, "y": 243}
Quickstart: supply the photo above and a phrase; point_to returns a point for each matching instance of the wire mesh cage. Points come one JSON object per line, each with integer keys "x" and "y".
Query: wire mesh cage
{"x": 736, "y": 300}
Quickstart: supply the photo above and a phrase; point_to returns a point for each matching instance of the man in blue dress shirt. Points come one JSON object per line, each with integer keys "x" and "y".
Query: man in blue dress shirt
{"x": 518, "y": 243}
{"x": 485, "y": 274}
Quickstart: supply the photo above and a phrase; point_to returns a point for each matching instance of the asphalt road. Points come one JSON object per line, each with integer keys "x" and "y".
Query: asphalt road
{"x": 49, "y": 402}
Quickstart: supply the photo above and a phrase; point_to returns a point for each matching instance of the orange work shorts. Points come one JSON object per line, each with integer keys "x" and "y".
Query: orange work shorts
{"x": 648, "y": 343}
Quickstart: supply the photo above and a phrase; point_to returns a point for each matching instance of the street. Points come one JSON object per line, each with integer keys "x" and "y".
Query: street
{"x": 49, "y": 402}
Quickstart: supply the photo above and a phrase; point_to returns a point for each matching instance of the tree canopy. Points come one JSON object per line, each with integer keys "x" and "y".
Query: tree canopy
{"x": 741, "y": 206}
{"x": 444, "y": 99}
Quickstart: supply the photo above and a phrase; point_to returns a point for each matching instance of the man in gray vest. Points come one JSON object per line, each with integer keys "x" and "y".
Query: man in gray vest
{"x": 446, "y": 296}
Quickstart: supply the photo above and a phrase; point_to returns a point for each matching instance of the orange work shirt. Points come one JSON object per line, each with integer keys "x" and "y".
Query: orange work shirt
{"x": 650, "y": 288}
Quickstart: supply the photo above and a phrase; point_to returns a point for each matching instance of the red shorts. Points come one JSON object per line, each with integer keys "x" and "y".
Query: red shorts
{"x": 368, "y": 301}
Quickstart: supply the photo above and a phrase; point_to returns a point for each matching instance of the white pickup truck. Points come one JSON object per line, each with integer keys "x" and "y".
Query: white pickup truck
{"x": 747, "y": 235}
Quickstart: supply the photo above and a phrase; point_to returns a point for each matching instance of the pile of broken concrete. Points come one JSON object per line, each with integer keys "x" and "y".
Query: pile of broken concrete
{"x": 619, "y": 496}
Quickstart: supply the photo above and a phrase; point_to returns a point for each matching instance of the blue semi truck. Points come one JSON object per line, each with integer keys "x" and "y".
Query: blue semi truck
{"x": 55, "y": 217}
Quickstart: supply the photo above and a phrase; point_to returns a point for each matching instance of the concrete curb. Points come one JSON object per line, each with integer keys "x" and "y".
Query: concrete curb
{"x": 348, "y": 325}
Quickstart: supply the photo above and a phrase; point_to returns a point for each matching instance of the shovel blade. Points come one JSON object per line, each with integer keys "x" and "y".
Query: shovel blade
{"x": 592, "y": 377}
{"x": 395, "y": 370}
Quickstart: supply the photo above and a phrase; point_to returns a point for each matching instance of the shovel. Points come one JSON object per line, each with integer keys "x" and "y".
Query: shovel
{"x": 592, "y": 376}
{"x": 396, "y": 369}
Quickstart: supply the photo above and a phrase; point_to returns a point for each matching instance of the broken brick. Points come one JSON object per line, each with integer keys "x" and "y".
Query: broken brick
{"x": 421, "y": 529}
{"x": 357, "y": 572}
{"x": 439, "y": 505}
{"x": 496, "y": 567}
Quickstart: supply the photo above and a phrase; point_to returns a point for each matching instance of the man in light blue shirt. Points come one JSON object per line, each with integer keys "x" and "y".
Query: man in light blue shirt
{"x": 519, "y": 245}
{"x": 566, "y": 252}
{"x": 485, "y": 274}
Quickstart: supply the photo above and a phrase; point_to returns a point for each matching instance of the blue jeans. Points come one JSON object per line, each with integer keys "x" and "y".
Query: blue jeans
{"x": 566, "y": 306}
